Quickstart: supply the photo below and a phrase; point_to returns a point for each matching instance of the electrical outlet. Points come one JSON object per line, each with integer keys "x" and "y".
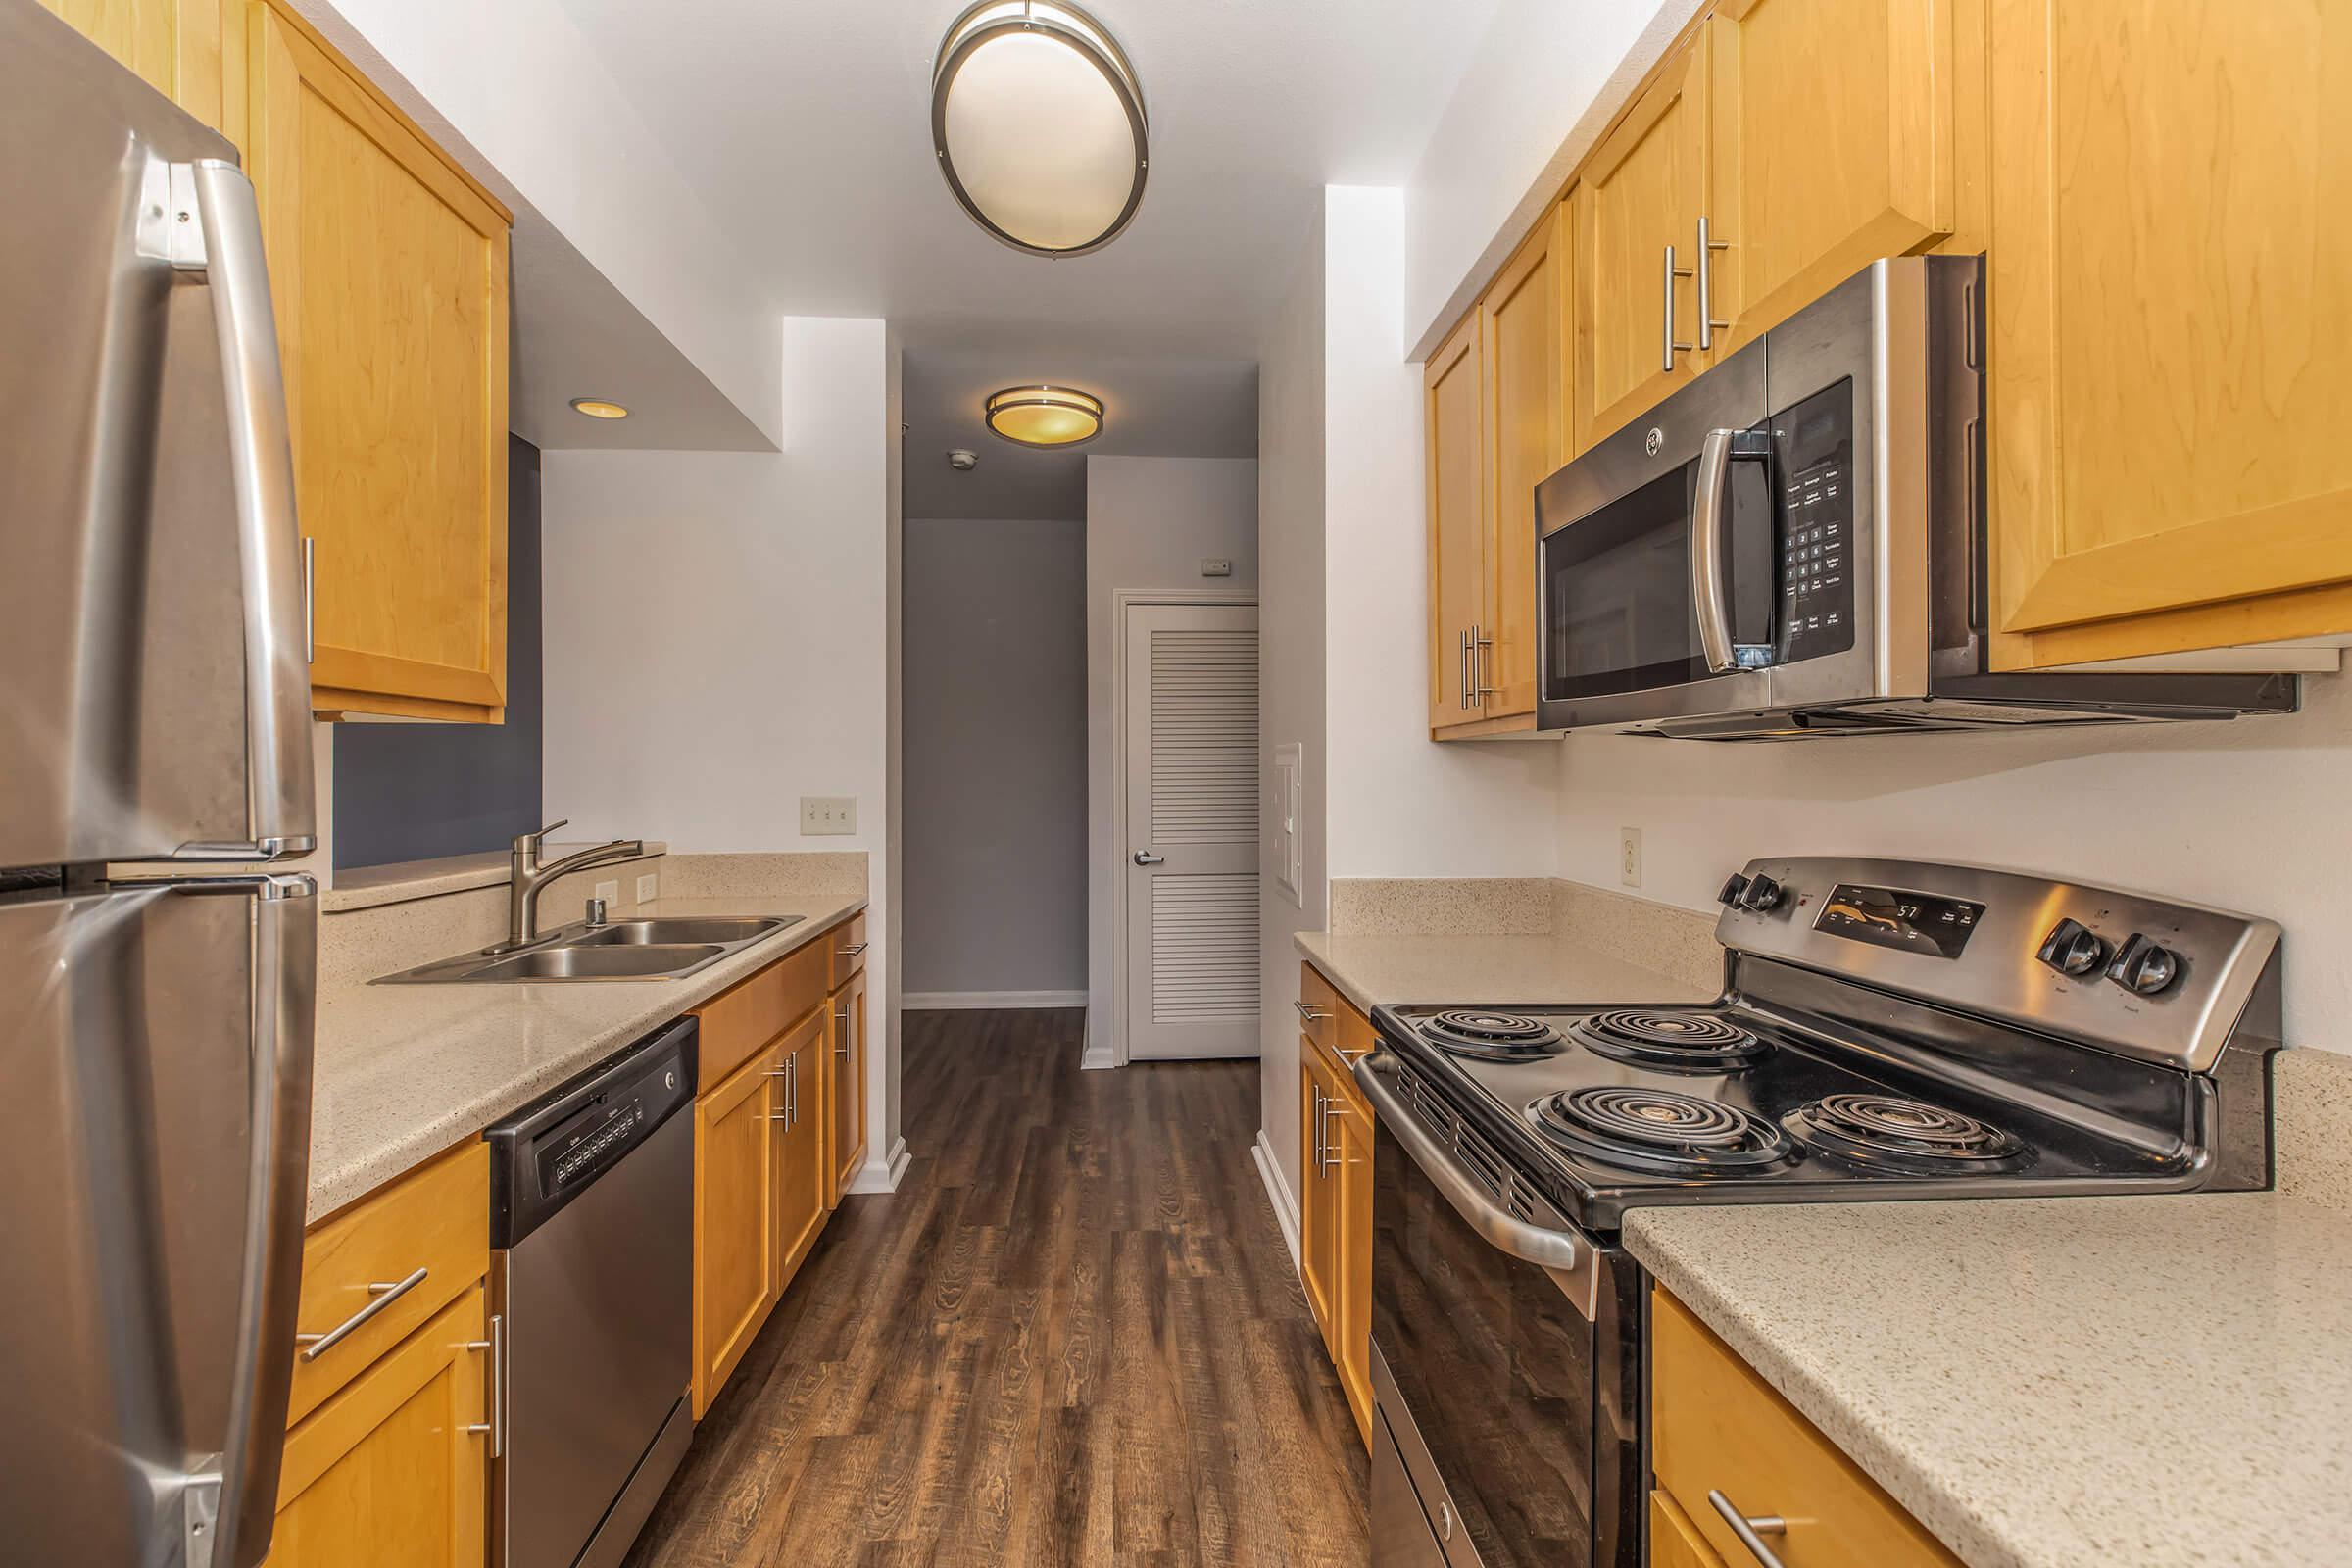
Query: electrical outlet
{"x": 1629, "y": 856}
{"x": 649, "y": 888}
{"x": 828, "y": 813}
{"x": 610, "y": 892}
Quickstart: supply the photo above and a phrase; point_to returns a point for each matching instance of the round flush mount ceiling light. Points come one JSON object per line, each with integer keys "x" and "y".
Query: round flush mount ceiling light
{"x": 1044, "y": 416}
{"x": 1039, "y": 126}
{"x": 600, "y": 407}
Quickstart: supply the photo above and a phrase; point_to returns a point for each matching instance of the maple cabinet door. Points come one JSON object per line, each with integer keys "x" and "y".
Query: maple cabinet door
{"x": 1526, "y": 421}
{"x": 1454, "y": 416}
{"x": 2170, "y": 280}
{"x": 736, "y": 1278}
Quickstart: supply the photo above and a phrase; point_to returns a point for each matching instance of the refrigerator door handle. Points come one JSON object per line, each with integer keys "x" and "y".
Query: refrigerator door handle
{"x": 285, "y": 946}
{"x": 282, "y": 806}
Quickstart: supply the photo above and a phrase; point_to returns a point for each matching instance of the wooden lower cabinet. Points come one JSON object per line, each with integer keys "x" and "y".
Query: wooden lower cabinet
{"x": 736, "y": 1158}
{"x": 1318, "y": 1206}
{"x": 1716, "y": 1426}
{"x": 1335, "y": 1196}
{"x": 1348, "y": 1143}
{"x": 394, "y": 1469}
{"x": 801, "y": 1142}
{"x": 845, "y": 1090}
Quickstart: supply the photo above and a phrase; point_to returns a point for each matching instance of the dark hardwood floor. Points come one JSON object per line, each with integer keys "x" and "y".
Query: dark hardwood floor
{"x": 1072, "y": 1336}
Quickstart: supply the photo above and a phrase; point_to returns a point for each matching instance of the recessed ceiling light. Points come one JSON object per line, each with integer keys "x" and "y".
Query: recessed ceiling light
{"x": 1039, "y": 126}
{"x": 600, "y": 409}
{"x": 1043, "y": 415}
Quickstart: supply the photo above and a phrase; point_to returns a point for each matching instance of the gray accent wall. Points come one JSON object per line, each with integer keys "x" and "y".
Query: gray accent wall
{"x": 415, "y": 792}
{"x": 994, "y": 814}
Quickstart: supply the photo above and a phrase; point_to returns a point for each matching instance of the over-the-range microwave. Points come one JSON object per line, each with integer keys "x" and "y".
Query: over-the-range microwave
{"x": 1793, "y": 545}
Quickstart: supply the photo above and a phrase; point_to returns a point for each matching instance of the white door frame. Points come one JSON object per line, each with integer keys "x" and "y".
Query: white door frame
{"x": 1121, "y": 603}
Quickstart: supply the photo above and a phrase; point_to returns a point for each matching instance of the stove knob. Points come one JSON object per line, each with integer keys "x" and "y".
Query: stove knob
{"x": 2073, "y": 948}
{"x": 1731, "y": 890}
{"x": 1761, "y": 892}
{"x": 2141, "y": 965}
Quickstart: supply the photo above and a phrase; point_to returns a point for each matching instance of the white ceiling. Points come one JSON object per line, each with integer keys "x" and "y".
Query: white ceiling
{"x": 1152, "y": 408}
{"x": 804, "y": 129}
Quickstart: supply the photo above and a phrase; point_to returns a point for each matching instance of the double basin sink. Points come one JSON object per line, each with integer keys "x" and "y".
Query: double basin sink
{"x": 625, "y": 950}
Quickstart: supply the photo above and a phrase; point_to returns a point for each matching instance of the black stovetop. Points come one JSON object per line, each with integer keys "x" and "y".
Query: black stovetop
{"x": 1747, "y": 1114}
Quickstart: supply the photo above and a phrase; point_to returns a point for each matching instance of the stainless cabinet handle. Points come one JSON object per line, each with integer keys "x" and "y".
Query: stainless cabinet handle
{"x": 1445, "y": 1521}
{"x": 496, "y": 1345}
{"x": 1751, "y": 1529}
{"x": 1462, "y": 670}
{"x": 853, "y": 949}
{"x": 843, "y": 1018}
{"x": 310, "y": 600}
{"x": 1332, "y": 1108}
{"x": 1670, "y": 347}
{"x": 1147, "y": 857}
{"x": 1479, "y": 691}
{"x": 1709, "y": 326}
{"x": 1318, "y": 1128}
{"x": 790, "y": 1073}
{"x": 315, "y": 1346}
{"x": 1351, "y": 1057}
{"x": 1310, "y": 1013}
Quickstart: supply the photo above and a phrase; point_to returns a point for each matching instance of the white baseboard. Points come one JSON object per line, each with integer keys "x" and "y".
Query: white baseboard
{"x": 1097, "y": 1056}
{"x": 1278, "y": 1191}
{"x": 882, "y": 1175}
{"x": 968, "y": 1001}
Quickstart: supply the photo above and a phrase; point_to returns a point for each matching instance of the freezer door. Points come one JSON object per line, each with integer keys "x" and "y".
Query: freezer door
{"x": 153, "y": 692}
{"x": 155, "y": 1054}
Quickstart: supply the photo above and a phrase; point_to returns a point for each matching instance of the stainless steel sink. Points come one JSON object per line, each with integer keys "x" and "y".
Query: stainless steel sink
{"x": 627, "y": 950}
{"x": 710, "y": 928}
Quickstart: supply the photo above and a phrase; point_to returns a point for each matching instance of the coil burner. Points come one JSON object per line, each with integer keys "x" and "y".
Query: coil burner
{"x": 1661, "y": 1131}
{"x": 1679, "y": 1041}
{"x": 1907, "y": 1137}
{"x": 1492, "y": 1036}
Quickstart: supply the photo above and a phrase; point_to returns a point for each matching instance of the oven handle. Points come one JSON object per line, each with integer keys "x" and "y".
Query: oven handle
{"x": 1551, "y": 1249}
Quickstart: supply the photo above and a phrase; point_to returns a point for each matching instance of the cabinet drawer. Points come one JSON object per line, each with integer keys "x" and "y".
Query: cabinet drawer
{"x": 1674, "y": 1540}
{"x": 1717, "y": 1426}
{"x": 1319, "y": 1004}
{"x": 432, "y": 1227}
{"x": 845, "y": 952}
{"x": 737, "y": 1023}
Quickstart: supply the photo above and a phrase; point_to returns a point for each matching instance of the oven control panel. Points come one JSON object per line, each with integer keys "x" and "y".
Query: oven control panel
{"x": 1813, "y": 447}
{"x": 2121, "y": 971}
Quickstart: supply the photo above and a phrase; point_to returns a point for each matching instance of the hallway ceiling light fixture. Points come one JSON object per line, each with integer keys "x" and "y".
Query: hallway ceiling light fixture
{"x": 1039, "y": 126}
{"x": 1043, "y": 415}
{"x": 600, "y": 407}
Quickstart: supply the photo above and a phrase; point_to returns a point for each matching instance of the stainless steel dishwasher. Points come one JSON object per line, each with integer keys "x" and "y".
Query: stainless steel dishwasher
{"x": 592, "y": 1284}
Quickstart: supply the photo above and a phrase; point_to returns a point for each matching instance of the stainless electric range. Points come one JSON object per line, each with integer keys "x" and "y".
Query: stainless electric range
{"x": 1887, "y": 1030}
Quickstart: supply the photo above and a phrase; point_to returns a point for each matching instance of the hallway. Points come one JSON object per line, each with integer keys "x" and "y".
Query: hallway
{"x": 1072, "y": 1336}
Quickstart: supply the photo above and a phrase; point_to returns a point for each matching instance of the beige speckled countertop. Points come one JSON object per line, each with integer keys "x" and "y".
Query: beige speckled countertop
{"x": 1371, "y": 970}
{"x": 402, "y": 1072}
{"x": 2156, "y": 1381}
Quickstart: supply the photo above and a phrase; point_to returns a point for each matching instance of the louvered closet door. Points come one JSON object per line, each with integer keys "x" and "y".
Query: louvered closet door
{"x": 1192, "y": 830}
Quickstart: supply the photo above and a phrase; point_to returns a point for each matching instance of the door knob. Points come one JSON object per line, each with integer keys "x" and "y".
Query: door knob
{"x": 1147, "y": 857}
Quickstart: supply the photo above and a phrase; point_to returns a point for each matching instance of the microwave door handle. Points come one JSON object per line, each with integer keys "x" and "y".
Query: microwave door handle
{"x": 280, "y": 793}
{"x": 1707, "y": 553}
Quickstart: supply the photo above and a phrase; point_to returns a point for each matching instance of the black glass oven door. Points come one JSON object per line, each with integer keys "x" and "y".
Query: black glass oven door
{"x": 1529, "y": 1411}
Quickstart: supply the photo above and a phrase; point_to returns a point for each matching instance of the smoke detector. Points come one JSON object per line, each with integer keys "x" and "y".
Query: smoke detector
{"x": 963, "y": 459}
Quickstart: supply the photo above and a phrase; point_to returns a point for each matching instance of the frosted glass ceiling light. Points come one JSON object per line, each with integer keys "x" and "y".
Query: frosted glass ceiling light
{"x": 1039, "y": 126}
{"x": 1044, "y": 416}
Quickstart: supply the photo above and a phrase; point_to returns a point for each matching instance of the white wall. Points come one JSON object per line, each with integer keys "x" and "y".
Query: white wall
{"x": 1399, "y": 806}
{"x": 2248, "y": 815}
{"x": 717, "y": 634}
{"x": 1149, "y": 523}
{"x": 519, "y": 83}
{"x": 1291, "y": 639}
{"x": 994, "y": 819}
{"x": 1546, "y": 78}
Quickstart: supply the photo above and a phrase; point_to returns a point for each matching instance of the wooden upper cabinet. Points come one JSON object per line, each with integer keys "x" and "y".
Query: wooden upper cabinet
{"x": 191, "y": 50}
{"x": 1830, "y": 144}
{"x": 1453, "y": 419}
{"x": 2171, "y": 314}
{"x": 1526, "y": 429}
{"x": 388, "y": 272}
{"x": 1642, "y": 191}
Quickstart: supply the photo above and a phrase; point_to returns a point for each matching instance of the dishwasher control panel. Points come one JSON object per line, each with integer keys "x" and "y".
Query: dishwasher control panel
{"x": 555, "y": 1149}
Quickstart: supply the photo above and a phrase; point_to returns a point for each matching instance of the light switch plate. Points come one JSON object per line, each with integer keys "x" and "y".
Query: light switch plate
{"x": 610, "y": 892}
{"x": 828, "y": 813}
{"x": 649, "y": 888}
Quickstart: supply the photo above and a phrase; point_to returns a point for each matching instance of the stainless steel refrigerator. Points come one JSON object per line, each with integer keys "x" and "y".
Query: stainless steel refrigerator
{"x": 155, "y": 985}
